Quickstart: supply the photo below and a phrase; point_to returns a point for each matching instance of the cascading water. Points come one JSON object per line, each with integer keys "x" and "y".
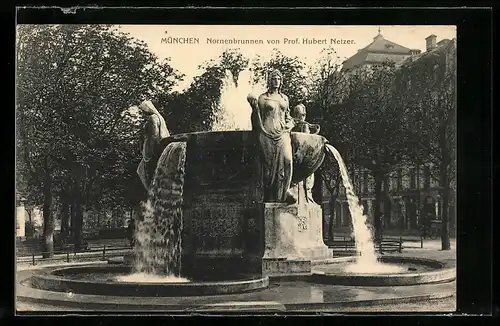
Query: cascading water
{"x": 367, "y": 259}
{"x": 158, "y": 236}
{"x": 233, "y": 108}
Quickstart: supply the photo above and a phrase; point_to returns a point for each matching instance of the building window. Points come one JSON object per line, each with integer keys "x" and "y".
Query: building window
{"x": 412, "y": 178}
{"x": 427, "y": 176}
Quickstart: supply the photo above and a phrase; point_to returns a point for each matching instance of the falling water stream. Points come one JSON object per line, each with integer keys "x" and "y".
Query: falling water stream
{"x": 367, "y": 261}
{"x": 158, "y": 236}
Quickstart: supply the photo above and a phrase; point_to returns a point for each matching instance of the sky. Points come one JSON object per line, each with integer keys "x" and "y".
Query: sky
{"x": 187, "y": 57}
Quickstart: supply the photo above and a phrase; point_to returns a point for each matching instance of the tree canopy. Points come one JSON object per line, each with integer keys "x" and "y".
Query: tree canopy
{"x": 75, "y": 84}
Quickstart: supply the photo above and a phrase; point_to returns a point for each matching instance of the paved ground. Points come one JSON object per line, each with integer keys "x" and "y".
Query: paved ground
{"x": 431, "y": 250}
{"x": 441, "y": 305}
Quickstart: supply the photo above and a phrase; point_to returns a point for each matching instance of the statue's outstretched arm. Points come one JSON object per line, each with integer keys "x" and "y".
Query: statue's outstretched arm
{"x": 255, "y": 117}
{"x": 289, "y": 121}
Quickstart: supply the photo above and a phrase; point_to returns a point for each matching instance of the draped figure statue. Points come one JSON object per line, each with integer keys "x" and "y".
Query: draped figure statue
{"x": 298, "y": 114}
{"x": 154, "y": 131}
{"x": 272, "y": 122}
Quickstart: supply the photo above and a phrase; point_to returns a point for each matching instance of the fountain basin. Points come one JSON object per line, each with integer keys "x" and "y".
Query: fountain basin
{"x": 415, "y": 271}
{"x": 102, "y": 280}
{"x": 232, "y": 151}
{"x": 223, "y": 209}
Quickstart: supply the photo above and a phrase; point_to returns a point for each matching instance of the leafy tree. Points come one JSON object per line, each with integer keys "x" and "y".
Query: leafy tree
{"x": 326, "y": 84}
{"x": 233, "y": 61}
{"x": 74, "y": 140}
{"x": 370, "y": 123}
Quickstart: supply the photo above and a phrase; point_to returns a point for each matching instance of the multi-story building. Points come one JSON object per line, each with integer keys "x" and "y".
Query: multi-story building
{"x": 377, "y": 52}
{"x": 409, "y": 188}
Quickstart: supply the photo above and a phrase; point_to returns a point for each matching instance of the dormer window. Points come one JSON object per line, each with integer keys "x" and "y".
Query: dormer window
{"x": 389, "y": 46}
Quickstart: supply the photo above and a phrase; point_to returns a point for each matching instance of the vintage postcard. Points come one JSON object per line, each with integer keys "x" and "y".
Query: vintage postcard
{"x": 247, "y": 168}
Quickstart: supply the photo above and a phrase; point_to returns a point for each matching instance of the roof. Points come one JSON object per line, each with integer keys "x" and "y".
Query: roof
{"x": 372, "y": 52}
{"x": 380, "y": 44}
{"x": 441, "y": 48}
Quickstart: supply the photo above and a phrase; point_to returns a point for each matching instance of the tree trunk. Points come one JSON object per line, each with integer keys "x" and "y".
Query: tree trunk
{"x": 338, "y": 215}
{"x": 387, "y": 204}
{"x": 48, "y": 218}
{"x": 30, "y": 229}
{"x": 332, "y": 217}
{"x": 402, "y": 224}
{"x": 376, "y": 209}
{"x": 445, "y": 232}
{"x": 64, "y": 218}
{"x": 78, "y": 224}
{"x": 29, "y": 211}
{"x": 77, "y": 202}
{"x": 78, "y": 218}
{"x": 72, "y": 219}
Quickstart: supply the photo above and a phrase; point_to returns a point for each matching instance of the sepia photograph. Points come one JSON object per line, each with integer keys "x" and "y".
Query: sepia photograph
{"x": 235, "y": 168}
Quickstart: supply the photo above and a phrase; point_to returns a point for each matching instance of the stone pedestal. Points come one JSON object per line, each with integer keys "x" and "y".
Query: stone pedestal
{"x": 283, "y": 266}
{"x": 293, "y": 238}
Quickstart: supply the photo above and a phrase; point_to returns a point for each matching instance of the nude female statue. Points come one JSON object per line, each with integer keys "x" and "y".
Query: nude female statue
{"x": 272, "y": 121}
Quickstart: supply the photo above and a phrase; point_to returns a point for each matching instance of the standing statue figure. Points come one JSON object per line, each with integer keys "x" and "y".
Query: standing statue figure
{"x": 154, "y": 131}
{"x": 299, "y": 113}
{"x": 272, "y": 121}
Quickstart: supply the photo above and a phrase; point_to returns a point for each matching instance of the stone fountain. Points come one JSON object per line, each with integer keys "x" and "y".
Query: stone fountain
{"x": 226, "y": 222}
{"x": 211, "y": 227}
